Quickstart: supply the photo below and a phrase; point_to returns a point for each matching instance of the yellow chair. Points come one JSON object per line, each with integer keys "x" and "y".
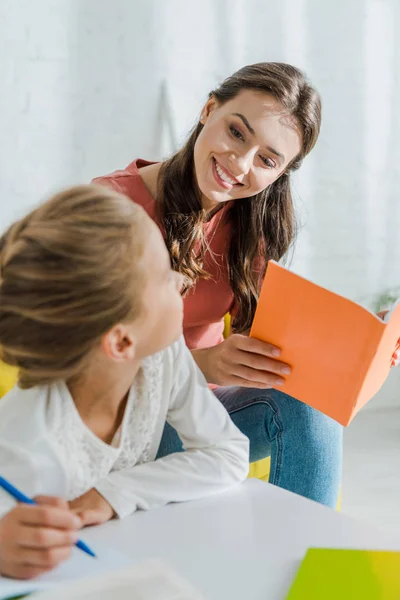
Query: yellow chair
{"x": 8, "y": 378}
{"x": 261, "y": 468}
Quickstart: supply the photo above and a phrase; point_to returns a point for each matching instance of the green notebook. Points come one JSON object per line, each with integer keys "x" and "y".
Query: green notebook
{"x": 329, "y": 574}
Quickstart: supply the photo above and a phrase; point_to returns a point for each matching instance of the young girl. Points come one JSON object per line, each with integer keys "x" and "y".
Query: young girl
{"x": 224, "y": 205}
{"x": 91, "y": 314}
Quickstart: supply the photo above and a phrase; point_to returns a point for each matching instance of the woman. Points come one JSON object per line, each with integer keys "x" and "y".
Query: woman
{"x": 224, "y": 205}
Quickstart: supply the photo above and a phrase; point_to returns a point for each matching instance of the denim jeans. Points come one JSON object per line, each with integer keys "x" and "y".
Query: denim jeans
{"x": 305, "y": 445}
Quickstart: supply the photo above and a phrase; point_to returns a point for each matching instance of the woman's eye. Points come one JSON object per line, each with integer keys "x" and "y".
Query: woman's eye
{"x": 268, "y": 162}
{"x": 236, "y": 133}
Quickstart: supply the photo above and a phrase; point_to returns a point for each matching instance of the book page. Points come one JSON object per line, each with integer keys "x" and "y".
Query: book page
{"x": 79, "y": 566}
{"x": 147, "y": 581}
{"x": 381, "y": 364}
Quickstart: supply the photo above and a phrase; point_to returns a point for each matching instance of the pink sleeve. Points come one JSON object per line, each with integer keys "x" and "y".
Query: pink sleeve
{"x": 109, "y": 182}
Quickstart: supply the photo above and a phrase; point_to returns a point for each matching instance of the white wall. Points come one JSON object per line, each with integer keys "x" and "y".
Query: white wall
{"x": 82, "y": 87}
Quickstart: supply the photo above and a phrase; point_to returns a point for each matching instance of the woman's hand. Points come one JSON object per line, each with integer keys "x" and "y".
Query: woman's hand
{"x": 243, "y": 361}
{"x": 92, "y": 508}
{"x": 396, "y": 354}
{"x": 36, "y": 538}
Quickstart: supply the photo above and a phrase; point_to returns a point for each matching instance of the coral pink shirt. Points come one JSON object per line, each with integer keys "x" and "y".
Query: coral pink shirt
{"x": 210, "y": 299}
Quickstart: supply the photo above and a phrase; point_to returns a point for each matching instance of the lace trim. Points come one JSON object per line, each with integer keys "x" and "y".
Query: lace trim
{"x": 142, "y": 420}
{"x": 87, "y": 458}
{"x": 84, "y": 459}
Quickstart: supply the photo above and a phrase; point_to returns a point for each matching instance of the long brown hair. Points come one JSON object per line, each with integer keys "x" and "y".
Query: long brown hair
{"x": 69, "y": 272}
{"x": 270, "y": 212}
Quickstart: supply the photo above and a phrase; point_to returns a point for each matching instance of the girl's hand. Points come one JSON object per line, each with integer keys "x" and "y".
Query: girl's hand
{"x": 36, "y": 538}
{"x": 92, "y": 508}
{"x": 243, "y": 361}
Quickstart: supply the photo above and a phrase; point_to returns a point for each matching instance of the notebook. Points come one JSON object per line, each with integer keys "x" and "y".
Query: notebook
{"x": 331, "y": 574}
{"x": 339, "y": 351}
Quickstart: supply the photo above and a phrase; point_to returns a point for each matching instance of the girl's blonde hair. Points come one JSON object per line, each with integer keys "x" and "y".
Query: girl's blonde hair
{"x": 69, "y": 272}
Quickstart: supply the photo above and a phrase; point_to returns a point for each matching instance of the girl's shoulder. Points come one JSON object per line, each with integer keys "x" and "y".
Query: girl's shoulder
{"x": 163, "y": 363}
{"x": 24, "y": 414}
{"x": 167, "y": 366}
{"x": 27, "y": 454}
{"x": 173, "y": 353}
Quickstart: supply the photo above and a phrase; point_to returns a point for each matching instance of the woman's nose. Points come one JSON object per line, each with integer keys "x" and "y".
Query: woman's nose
{"x": 241, "y": 163}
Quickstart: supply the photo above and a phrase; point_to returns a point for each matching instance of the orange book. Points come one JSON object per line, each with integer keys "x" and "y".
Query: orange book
{"x": 340, "y": 352}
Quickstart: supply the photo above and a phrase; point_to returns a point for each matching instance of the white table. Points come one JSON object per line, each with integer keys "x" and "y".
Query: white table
{"x": 246, "y": 544}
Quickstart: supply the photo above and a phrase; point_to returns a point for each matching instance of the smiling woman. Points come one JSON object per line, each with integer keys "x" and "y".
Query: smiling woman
{"x": 224, "y": 205}
{"x": 247, "y": 143}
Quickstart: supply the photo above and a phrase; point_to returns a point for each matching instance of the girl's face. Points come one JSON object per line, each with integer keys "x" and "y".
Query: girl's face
{"x": 244, "y": 146}
{"x": 160, "y": 320}
{"x": 162, "y": 306}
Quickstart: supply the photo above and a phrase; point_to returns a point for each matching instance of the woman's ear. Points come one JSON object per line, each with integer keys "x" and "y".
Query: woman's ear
{"x": 208, "y": 108}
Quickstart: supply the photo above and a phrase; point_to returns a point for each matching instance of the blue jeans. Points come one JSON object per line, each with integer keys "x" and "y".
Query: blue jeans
{"x": 305, "y": 445}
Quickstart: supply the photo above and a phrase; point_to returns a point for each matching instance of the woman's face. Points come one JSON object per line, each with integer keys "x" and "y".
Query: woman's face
{"x": 245, "y": 144}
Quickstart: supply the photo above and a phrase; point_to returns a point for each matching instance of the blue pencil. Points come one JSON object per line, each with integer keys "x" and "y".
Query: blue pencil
{"x": 20, "y": 497}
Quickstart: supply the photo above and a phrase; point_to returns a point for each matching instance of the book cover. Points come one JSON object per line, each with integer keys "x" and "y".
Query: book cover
{"x": 340, "y": 352}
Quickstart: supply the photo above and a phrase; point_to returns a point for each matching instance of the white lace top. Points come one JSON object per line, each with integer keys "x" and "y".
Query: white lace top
{"x": 46, "y": 448}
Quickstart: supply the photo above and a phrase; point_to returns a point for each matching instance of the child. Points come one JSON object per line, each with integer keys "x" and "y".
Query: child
{"x": 91, "y": 314}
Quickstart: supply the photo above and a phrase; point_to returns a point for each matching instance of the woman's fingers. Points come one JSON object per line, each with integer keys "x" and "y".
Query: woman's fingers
{"x": 396, "y": 355}
{"x": 262, "y": 363}
{"x": 244, "y": 361}
{"x": 254, "y": 361}
{"x": 247, "y": 383}
{"x": 254, "y": 346}
{"x": 265, "y": 378}
{"x": 382, "y": 314}
{"x": 258, "y": 355}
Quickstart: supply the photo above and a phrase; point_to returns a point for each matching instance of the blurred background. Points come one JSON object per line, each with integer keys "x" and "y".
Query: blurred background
{"x": 89, "y": 85}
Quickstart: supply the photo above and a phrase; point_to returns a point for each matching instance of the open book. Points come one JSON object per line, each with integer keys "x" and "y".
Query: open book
{"x": 340, "y": 352}
{"x": 151, "y": 580}
{"x": 104, "y": 579}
